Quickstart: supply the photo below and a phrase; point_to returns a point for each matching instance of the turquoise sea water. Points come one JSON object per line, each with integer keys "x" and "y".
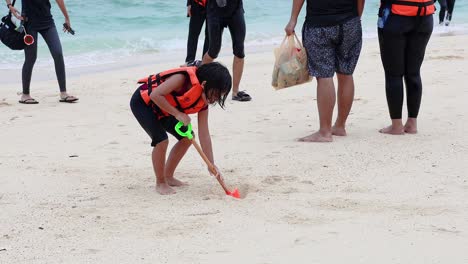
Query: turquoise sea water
{"x": 112, "y": 30}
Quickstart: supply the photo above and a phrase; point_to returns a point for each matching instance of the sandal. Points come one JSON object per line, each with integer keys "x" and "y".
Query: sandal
{"x": 242, "y": 97}
{"x": 68, "y": 99}
{"x": 28, "y": 101}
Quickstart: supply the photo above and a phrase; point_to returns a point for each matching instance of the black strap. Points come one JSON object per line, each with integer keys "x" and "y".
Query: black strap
{"x": 9, "y": 11}
{"x": 194, "y": 104}
{"x": 407, "y": 3}
{"x": 149, "y": 84}
{"x": 158, "y": 79}
{"x": 179, "y": 107}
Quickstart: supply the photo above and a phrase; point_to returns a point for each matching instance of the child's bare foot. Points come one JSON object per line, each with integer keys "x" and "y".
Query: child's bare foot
{"x": 411, "y": 126}
{"x": 317, "y": 137}
{"x": 338, "y": 131}
{"x": 175, "y": 182}
{"x": 164, "y": 189}
{"x": 393, "y": 130}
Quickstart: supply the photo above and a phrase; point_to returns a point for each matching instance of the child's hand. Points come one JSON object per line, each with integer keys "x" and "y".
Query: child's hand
{"x": 214, "y": 171}
{"x": 184, "y": 118}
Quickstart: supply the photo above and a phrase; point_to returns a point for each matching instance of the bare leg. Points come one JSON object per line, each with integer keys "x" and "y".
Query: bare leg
{"x": 159, "y": 162}
{"x": 395, "y": 129}
{"x": 411, "y": 126}
{"x": 177, "y": 152}
{"x": 345, "y": 102}
{"x": 326, "y": 102}
{"x": 237, "y": 70}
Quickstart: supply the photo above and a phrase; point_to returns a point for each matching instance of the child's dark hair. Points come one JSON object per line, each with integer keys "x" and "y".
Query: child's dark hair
{"x": 218, "y": 81}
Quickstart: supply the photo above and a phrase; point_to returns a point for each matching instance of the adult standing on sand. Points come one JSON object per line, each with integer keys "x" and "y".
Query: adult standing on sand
{"x": 38, "y": 19}
{"x": 404, "y": 30}
{"x": 196, "y": 10}
{"x": 332, "y": 36}
{"x": 446, "y": 11}
{"x": 230, "y": 14}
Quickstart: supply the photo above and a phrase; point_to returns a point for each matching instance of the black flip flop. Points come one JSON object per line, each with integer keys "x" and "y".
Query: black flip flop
{"x": 28, "y": 101}
{"x": 68, "y": 99}
{"x": 242, "y": 97}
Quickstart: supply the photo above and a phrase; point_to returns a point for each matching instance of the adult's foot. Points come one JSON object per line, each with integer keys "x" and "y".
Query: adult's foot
{"x": 391, "y": 130}
{"x": 175, "y": 182}
{"x": 164, "y": 189}
{"x": 317, "y": 137}
{"x": 338, "y": 131}
{"x": 241, "y": 96}
{"x": 411, "y": 126}
{"x": 66, "y": 98}
{"x": 27, "y": 99}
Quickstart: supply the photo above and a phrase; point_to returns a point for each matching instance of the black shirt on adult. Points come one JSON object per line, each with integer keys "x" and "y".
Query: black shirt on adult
{"x": 38, "y": 13}
{"x": 228, "y": 11}
{"x": 196, "y": 9}
{"x": 323, "y": 13}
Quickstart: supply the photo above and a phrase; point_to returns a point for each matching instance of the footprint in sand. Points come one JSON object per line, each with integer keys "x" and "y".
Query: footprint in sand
{"x": 244, "y": 190}
{"x": 307, "y": 182}
{"x": 290, "y": 190}
{"x": 272, "y": 180}
{"x": 93, "y": 250}
{"x": 3, "y": 103}
{"x": 448, "y": 57}
{"x": 290, "y": 178}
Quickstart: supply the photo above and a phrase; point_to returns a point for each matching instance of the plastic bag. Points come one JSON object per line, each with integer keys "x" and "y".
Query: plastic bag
{"x": 290, "y": 65}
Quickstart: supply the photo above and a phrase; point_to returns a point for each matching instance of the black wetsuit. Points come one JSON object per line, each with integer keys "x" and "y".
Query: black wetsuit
{"x": 197, "y": 19}
{"x": 403, "y": 42}
{"x": 40, "y": 20}
{"x": 446, "y": 5}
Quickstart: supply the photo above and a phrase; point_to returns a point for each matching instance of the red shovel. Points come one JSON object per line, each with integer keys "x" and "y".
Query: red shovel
{"x": 188, "y": 134}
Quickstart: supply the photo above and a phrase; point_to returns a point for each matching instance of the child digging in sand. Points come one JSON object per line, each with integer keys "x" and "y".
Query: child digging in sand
{"x": 168, "y": 97}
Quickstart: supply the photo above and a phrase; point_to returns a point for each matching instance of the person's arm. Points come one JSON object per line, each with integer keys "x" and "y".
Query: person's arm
{"x": 63, "y": 8}
{"x": 168, "y": 86}
{"x": 360, "y": 6}
{"x": 296, "y": 9}
{"x": 13, "y": 10}
{"x": 205, "y": 139}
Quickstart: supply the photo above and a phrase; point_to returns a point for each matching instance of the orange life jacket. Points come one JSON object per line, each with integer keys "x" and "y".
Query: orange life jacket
{"x": 412, "y": 7}
{"x": 190, "y": 102}
{"x": 200, "y": 2}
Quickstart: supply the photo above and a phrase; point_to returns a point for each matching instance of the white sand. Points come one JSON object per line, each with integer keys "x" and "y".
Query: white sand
{"x": 366, "y": 198}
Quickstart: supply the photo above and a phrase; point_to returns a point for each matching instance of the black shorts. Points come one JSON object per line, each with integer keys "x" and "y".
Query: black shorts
{"x": 333, "y": 49}
{"x": 154, "y": 127}
{"x": 236, "y": 26}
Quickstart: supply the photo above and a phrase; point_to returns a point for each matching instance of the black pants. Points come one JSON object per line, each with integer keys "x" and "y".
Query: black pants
{"x": 197, "y": 20}
{"x": 52, "y": 39}
{"x": 236, "y": 26}
{"x": 444, "y": 6}
{"x": 403, "y": 42}
{"x": 155, "y": 127}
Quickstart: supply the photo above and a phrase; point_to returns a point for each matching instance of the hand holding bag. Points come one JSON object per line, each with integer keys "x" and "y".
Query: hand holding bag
{"x": 9, "y": 35}
{"x": 291, "y": 64}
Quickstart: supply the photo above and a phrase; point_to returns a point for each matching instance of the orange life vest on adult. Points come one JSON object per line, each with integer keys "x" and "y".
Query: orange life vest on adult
{"x": 190, "y": 102}
{"x": 412, "y": 7}
{"x": 200, "y": 2}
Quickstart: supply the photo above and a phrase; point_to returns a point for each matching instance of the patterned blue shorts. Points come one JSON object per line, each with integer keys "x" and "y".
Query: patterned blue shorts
{"x": 333, "y": 49}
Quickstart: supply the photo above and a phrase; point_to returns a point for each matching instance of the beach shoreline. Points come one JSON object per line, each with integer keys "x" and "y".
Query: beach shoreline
{"x": 76, "y": 180}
